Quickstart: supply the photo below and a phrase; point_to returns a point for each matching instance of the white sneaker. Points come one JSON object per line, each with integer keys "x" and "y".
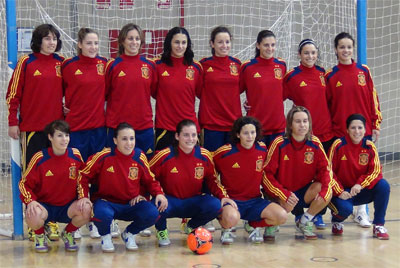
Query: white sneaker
{"x": 129, "y": 240}
{"x": 107, "y": 244}
{"x": 145, "y": 233}
{"x": 78, "y": 234}
{"x": 227, "y": 237}
{"x": 114, "y": 229}
{"x": 93, "y": 232}
{"x": 256, "y": 236}
{"x": 362, "y": 219}
{"x": 209, "y": 226}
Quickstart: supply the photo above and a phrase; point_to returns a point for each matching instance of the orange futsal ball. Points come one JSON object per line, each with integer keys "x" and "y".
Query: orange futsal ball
{"x": 200, "y": 241}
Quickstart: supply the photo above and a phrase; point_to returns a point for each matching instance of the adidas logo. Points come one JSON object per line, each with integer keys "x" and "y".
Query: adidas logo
{"x": 338, "y": 84}
{"x": 303, "y": 84}
{"x": 174, "y": 170}
{"x": 210, "y": 70}
{"x": 149, "y": 151}
{"x": 343, "y": 157}
{"x": 256, "y": 75}
{"x": 285, "y": 157}
{"x": 36, "y": 73}
{"x": 78, "y": 72}
{"x": 49, "y": 173}
{"x": 236, "y": 165}
{"x": 121, "y": 73}
{"x": 110, "y": 169}
{"x": 165, "y": 73}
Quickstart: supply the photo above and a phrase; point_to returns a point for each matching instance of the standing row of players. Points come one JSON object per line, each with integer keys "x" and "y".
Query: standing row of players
{"x": 174, "y": 81}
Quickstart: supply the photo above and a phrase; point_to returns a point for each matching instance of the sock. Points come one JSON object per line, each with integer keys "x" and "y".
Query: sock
{"x": 70, "y": 228}
{"x": 260, "y": 223}
{"x": 306, "y": 218}
{"x": 40, "y": 230}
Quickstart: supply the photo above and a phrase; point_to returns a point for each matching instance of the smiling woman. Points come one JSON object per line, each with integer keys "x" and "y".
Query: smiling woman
{"x": 179, "y": 82}
{"x": 127, "y": 103}
{"x": 83, "y": 79}
{"x": 262, "y": 80}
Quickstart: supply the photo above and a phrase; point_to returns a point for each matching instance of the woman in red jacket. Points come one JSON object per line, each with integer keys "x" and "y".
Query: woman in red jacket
{"x": 220, "y": 94}
{"x": 179, "y": 82}
{"x": 350, "y": 89}
{"x": 297, "y": 170}
{"x": 118, "y": 176}
{"x": 84, "y": 90}
{"x": 49, "y": 188}
{"x": 129, "y": 79}
{"x": 181, "y": 170}
{"x": 358, "y": 176}
{"x": 240, "y": 166}
{"x": 262, "y": 79}
{"x": 305, "y": 86}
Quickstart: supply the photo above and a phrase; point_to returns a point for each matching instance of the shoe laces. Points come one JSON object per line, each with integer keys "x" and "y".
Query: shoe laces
{"x": 338, "y": 225}
{"x": 228, "y": 234}
{"x": 380, "y": 229}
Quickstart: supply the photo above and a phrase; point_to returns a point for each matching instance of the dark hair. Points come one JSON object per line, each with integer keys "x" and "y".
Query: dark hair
{"x": 82, "y": 34}
{"x": 355, "y": 117}
{"x": 238, "y": 125}
{"x": 289, "y": 121}
{"x": 306, "y": 42}
{"x": 179, "y": 127}
{"x": 215, "y": 31}
{"x": 341, "y": 36}
{"x": 42, "y": 31}
{"x": 60, "y": 125}
{"x": 166, "y": 55}
{"x": 261, "y": 35}
{"x": 121, "y": 126}
{"x": 124, "y": 33}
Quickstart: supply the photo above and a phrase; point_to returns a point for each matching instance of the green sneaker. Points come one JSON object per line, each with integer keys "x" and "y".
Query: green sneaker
{"x": 306, "y": 230}
{"x": 188, "y": 229}
{"x": 52, "y": 231}
{"x": 163, "y": 238}
{"x": 31, "y": 235}
{"x": 270, "y": 232}
{"x": 41, "y": 243}
{"x": 69, "y": 241}
{"x": 248, "y": 228}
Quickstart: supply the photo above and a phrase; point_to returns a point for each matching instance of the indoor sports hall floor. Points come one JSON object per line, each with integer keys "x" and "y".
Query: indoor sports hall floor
{"x": 356, "y": 248}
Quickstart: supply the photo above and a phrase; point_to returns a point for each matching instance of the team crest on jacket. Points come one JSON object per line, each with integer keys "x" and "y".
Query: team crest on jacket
{"x": 278, "y": 73}
{"x": 145, "y": 72}
{"x": 199, "y": 172}
{"x": 58, "y": 70}
{"x": 361, "y": 80}
{"x": 72, "y": 172}
{"x": 321, "y": 77}
{"x": 234, "y": 69}
{"x": 308, "y": 157}
{"x": 133, "y": 173}
{"x": 100, "y": 68}
{"x": 259, "y": 165}
{"x": 363, "y": 159}
{"x": 190, "y": 73}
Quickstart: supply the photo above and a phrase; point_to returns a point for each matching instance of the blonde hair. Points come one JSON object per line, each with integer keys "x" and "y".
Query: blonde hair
{"x": 289, "y": 121}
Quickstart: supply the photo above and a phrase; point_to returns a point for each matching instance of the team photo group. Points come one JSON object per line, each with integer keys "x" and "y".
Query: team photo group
{"x": 93, "y": 155}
